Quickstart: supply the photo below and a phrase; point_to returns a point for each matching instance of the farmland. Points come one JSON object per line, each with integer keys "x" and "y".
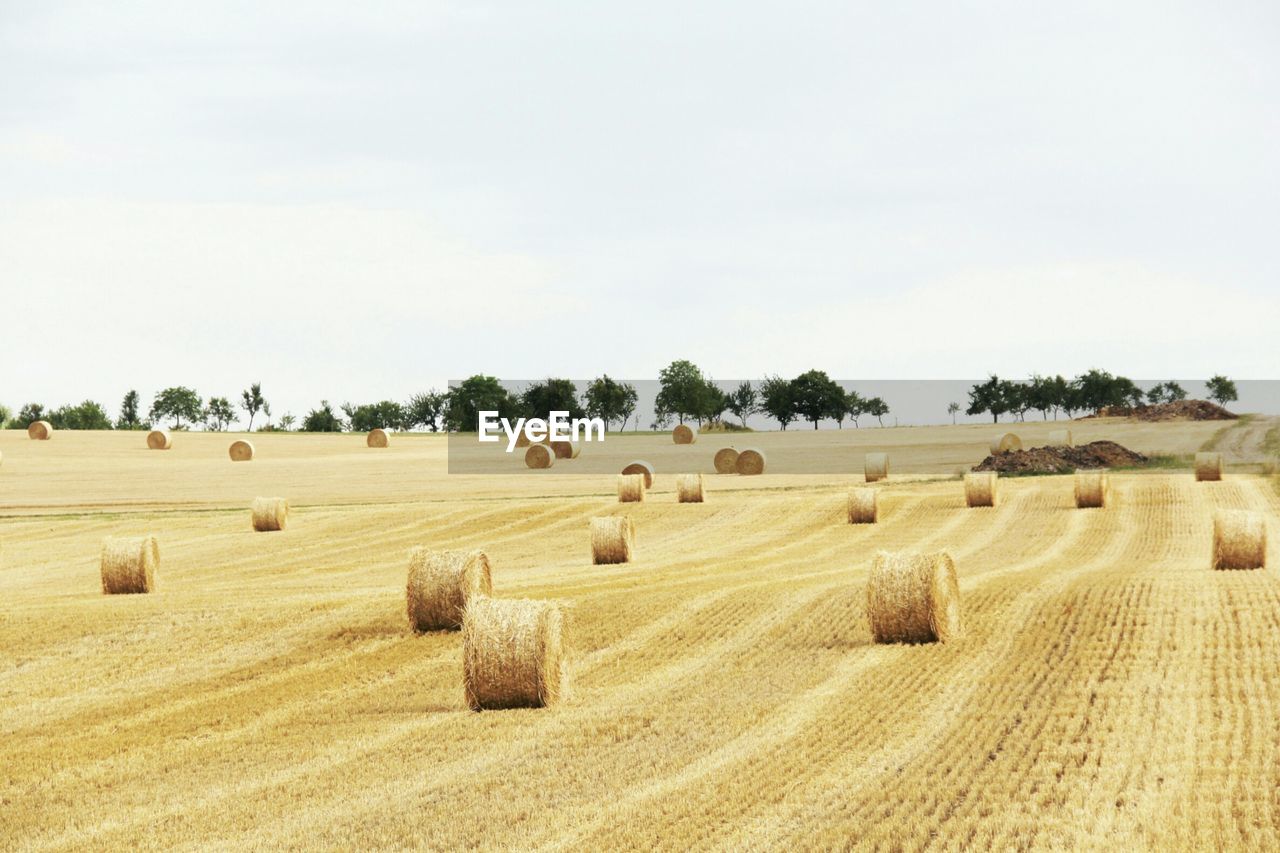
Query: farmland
{"x": 1110, "y": 690}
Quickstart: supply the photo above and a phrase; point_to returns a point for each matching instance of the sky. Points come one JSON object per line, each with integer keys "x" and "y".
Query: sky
{"x": 355, "y": 202}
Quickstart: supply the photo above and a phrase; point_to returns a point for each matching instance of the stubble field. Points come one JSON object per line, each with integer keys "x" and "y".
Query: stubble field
{"x": 1111, "y": 691}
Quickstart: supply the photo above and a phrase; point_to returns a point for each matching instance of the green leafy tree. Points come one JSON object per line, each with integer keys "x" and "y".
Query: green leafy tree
{"x": 744, "y": 402}
{"x": 540, "y": 399}
{"x": 476, "y": 394}
{"x": 990, "y": 396}
{"x": 776, "y": 400}
{"x": 682, "y": 390}
{"x": 387, "y": 414}
{"x": 424, "y": 410}
{"x": 1174, "y": 392}
{"x": 177, "y": 404}
{"x": 130, "y": 418}
{"x": 610, "y": 400}
{"x": 1221, "y": 390}
{"x": 1017, "y": 397}
{"x": 252, "y": 401}
{"x": 877, "y": 408}
{"x": 815, "y": 395}
{"x": 287, "y": 421}
{"x": 712, "y": 404}
{"x": 5, "y": 414}
{"x": 323, "y": 419}
{"x": 1040, "y": 394}
{"x": 87, "y": 415}
{"x": 27, "y": 415}
{"x": 856, "y": 405}
{"x": 218, "y": 414}
{"x": 952, "y": 409}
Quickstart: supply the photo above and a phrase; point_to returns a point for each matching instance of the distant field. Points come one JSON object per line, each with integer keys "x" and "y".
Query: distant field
{"x": 1111, "y": 692}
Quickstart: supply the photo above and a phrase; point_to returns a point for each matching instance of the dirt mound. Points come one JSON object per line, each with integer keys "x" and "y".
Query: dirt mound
{"x": 1061, "y": 460}
{"x": 1188, "y": 410}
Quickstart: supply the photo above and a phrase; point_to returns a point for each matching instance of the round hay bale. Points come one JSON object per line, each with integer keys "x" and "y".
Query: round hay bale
{"x": 377, "y": 437}
{"x": 1060, "y": 438}
{"x": 539, "y": 456}
{"x": 875, "y": 466}
{"x": 726, "y": 461}
{"x": 442, "y": 584}
{"x": 750, "y": 462}
{"x": 270, "y": 514}
{"x": 129, "y": 564}
{"x": 159, "y": 439}
{"x": 630, "y": 488}
{"x": 1005, "y": 442}
{"x": 511, "y": 654}
{"x": 689, "y": 489}
{"x": 1093, "y": 489}
{"x": 1208, "y": 466}
{"x": 39, "y": 430}
{"x": 980, "y": 488}
{"x": 613, "y": 539}
{"x": 864, "y": 506}
{"x": 642, "y": 468}
{"x": 1239, "y": 540}
{"x": 914, "y": 598}
{"x": 566, "y": 449}
{"x": 241, "y": 451}
{"x": 684, "y": 434}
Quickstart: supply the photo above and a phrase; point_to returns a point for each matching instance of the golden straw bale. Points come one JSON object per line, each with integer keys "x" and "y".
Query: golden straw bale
{"x": 684, "y": 434}
{"x": 241, "y": 451}
{"x": 377, "y": 437}
{"x": 1005, "y": 442}
{"x": 159, "y": 439}
{"x": 1239, "y": 539}
{"x": 512, "y": 655}
{"x": 864, "y": 506}
{"x": 875, "y": 466}
{"x": 689, "y": 489}
{"x": 643, "y": 468}
{"x": 726, "y": 461}
{"x": 630, "y": 488}
{"x": 270, "y": 514}
{"x": 1093, "y": 489}
{"x": 566, "y": 449}
{"x": 1208, "y": 466}
{"x": 914, "y": 598}
{"x": 980, "y": 488}
{"x": 613, "y": 539}
{"x": 750, "y": 462}
{"x": 539, "y": 456}
{"x": 39, "y": 430}
{"x": 129, "y": 564}
{"x": 442, "y": 585}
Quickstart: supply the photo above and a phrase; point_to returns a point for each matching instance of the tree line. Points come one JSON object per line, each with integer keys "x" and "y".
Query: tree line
{"x": 1093, "y": 391}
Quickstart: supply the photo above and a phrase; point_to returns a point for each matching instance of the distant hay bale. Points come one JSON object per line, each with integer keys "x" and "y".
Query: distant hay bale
{"x": 684, "y": 434}
{"x": 643, "y": 468}
{"x": 689, "y": 488}
{"x": 1005, "y": 442}
{"x": 630, "y": 488}
{"x": 159, "y": 439}
{"x": 1239, "y": 540}
{"x": 270, "y": 514}
{"x": 750, "y": 462}
{"x": 511, "y": 654}
{"x": 129, "y": 564}
{"x": 566, "y": 449}
{"x": 442, "y": 584}
{"x": 613, "y": 539}
{"x": 1092, "y": 489}
{"x": 914, "y": 598}
{"x": 539, "y": 456}
{"x": 1208, "y": 466}
{"x": 875, "y": 466}
{"x": 39, "y": 430}
{"x": 377, "y": 437}
{"x": 726, "y": 461}
{"x": 1060, "y": 438}
{"x": 864, "y": 506}
{"x": 241, "y": 451}
{"x": 980, "y": 488}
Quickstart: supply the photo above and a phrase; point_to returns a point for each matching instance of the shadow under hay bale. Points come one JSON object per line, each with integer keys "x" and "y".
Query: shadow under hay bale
{"x": 864, "y": 506}
{"x": 613, "y": 539}
{"x": 270, "y": 514}
{"x": 875, "y": 466}
{"x": 689, "y": 489}
{"x": 750, "y": 462}
{"x": 1093, "y": 489}
{"x": 914, "y": 598}
{"x": 129, "y": 564}
{"x": 1239, "y": 539}
{"x": 642, "y": 468}
{"x": 1208, "y": 467}
{"x": 726, "y": 461}
{"x": 240, "y": 451}
{"x": 980, "y": 488}
{"x": 442, "y": 584}
{"x": 512, "y": 654}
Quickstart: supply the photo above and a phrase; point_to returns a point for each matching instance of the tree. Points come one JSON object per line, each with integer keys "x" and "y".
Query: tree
{"x": 4, "y": 416}
{"x": 87, "y": 415}
{"x": 877, "y": 408}
{"x": 1039, "y": 394}
{"x": 610, "y": 400}
{"x": 424, "y": 410}
{"x": 177, "y": 404}
{"x": 322, "y": 419}
{"x": 990, "y": 396}
{"x": 554, "y": 395}
{"x": 856, "y": 405}
{"x": 387, "y": 414}
{"x": 1221, "y": 390}
{"x": 744, "y": 402}
{"x": 129, "y": 416}
{"x": 1174, "y": 392}
{"x": 218, "y": 414}
{"x": 27, "y": 415}
{"x": 251, "y": 401}
{"x": 682, "y": 390}
{"x": 476, "y": 394}
{"x": 952, "y": 409}
{"x": 287, "y": 421}
{"x": 1058, "y": 393}
{"x": 776, "y": 400}
{"x": 815, "y": 395}
{"x": 1017, "y": 397}
{"x": 1098, "y": 390}
{"x": 712, "y": 403}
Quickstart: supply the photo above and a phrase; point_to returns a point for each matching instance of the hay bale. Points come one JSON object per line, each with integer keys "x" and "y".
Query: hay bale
{"x": 980, "y": 488}
{"x": 1093, "y": 489}
{"x": 566, "y": 449}
{"x": 864, "y": 506}
{"x": 377, "y": 437}
{"x": 522, "y": 439}
{"x": 241, "y": 451}
{"x": 684, "y": 434}
{"x": 1239, "y": 540}
{"x": 442, "y": 584}
{"x": 726, "y": 461}
{"x": 1005, "y": 442}
{"x": 613, "y": 539}
{"x": 539, "y": 456}
{"x": 39, "y": 430}
{"x": 689, "y": 489}
{"x": 750, "y": 462}
{"x": 1060, "y": 438}
{"x": 914, "y": 598}
{"x": 511, "y": 654}
{"x": 270, "y": 514}
{"x": 129, "y": 564}
{"x": 159, "y": 439}
{"x": 1208, "y": 466}
{"x": 642, "y": 468}
{"x": 630, "y": 488}
{"x": 875, "y": 466}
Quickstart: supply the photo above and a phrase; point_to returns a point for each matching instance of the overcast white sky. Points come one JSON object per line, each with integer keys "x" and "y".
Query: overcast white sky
{"x": 356, "y": 204}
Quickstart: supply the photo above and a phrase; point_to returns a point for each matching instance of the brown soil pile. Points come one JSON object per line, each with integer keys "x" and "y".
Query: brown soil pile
{"x": 1188, "y": 410}
{"x": 1062, "y": 460}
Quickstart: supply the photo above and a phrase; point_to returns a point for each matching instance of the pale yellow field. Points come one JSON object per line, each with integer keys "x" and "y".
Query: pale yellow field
{"x": 1111, "y": 692}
